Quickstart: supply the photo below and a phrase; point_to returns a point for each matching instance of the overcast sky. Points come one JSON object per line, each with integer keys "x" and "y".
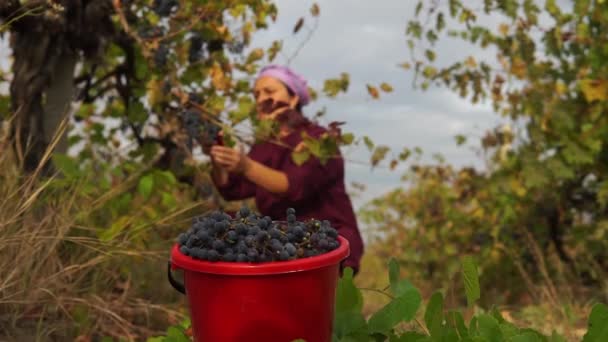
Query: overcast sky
{"x": 367, "y": 39}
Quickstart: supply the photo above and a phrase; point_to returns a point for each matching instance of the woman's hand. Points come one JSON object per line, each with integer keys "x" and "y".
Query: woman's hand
{"x": 230, "y": 159}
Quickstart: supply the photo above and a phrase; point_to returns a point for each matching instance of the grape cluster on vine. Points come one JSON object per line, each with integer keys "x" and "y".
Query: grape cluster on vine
{"x": 198, "y": 129}
{"x": 252, "y": 238}
{"x": 195, "y": 52}
{"x": 164, "y": 8}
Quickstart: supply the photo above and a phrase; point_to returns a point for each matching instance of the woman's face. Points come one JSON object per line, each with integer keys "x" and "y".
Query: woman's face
{"x": 269, "y": 91}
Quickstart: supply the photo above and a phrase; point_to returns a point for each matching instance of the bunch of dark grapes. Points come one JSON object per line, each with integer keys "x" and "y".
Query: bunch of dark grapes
{"x": 164, "y": 8}
{"x": 195, "y": 53}
{"x": 191, "y": 119}
{"x": 150, "y": 32}
{"x": 161, "y": 56}
{"x": 236, "y": 47}
{"x": 255, "y": 239}
{"x": 197, "y": 129}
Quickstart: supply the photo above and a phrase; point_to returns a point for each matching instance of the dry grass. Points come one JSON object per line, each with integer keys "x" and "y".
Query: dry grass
{"x": 59, "y": 280}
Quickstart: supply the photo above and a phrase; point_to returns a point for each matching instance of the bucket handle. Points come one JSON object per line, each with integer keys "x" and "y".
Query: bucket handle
{"x": 176, "y": 285}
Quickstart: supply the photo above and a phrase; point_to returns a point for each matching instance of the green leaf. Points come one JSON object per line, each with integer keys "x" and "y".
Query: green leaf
{"x": 489, "y": 328}
{"x": 348, "y": 324}
{"x": 398, "y": 286}
{"x": 555, "y": 337}
{"x": 526, "y": 337}
{"x": 137, "y": 112}
{"x": 300, "y": 157}
{"x": 471, "y": 280}
{"x": 508, "y": 330}
{"x": 402, "y": 308}
{"x": 455, "y": 320}
{"x": 597, "y": 328}
{"x": 348, "y": 297}
{"x": 368, "y": 142}
{"x": 145, "y": 186}
{"x": 347, "y": 138}
{"x": 67, "y": 165}
{"x": 440, "y": 24}
{"x": 410, "y": 336}
{"x": 418, "y": 8}
{"x": 460, "y": 139}
{"x": 379, "y": 154}
{"x": 175, "y": 334}
{"x": 433, "y": 317}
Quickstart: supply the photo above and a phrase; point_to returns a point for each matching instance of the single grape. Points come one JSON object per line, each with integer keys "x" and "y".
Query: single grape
{"x": 184, "y": 250}
{"x": 332, "y": 232}
{"x": 283, "y": 255}
{"x": 219, "y": 227}
{"x": 252, "y": 255}
{"x": 241, "y": 228}
{"x": 241, "y": 247}
{"x": 229, "y": 257}
{"x": 192, "y": 241}
{"x": 332, "y": 245}
{"x": 213, "y": 255}
{"x": 253, "y": 230}
{"x": 275, "y": 233}
{"x": 218, "y": 245}
{"x": 203, "y": 236}
{"x": 261, "y": 237}
{"x": 276, "y": 245}
{"x": 182, "y": 239}
{"x": 291, "y": 249}
{"x": 250, "y": 240}
{"x": 291, "y": 211}
{"x": 298, "y": 232}
{"x": 241, "y": 257}
{"x": 244, "y": 212}
{"x": 323, "y": 244}
{"x": 232, "y": 236}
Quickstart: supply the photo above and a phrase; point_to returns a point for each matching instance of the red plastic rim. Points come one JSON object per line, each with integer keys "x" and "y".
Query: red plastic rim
{"x": 179, "y": 260}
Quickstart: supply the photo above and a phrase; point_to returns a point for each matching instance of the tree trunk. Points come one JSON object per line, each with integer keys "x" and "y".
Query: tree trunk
{"x": 41, "y": 91}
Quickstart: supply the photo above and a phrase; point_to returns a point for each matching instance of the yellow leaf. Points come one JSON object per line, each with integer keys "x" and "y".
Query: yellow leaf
{"x": 503, "y": 29}
{"x": 405, "y": 65}
{"x": 560, "y": 88}
{"x": 218, "y": 78}
{"x": 314, "y": 10}
{"x": 222, "y": 30}
{"x": 470, "y": 62}
{"x": 373, "y": 91}
{"x": 255, "y": 55}
{"x": 594, "y": 89}
{"x": 518, "y": 67}
{"x": 386, "y": 87}
{"x": 154, "y": 91}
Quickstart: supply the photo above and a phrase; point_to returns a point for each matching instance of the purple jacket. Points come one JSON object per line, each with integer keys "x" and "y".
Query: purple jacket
{"x": 315, "y": 190}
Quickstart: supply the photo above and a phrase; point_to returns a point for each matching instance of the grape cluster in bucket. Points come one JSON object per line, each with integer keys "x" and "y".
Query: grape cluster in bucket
{"x": 252, "y": 238}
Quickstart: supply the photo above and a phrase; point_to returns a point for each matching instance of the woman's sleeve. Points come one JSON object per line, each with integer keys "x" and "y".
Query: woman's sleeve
{"x": 237, "y": 188}
{"x": 310, "y": 178}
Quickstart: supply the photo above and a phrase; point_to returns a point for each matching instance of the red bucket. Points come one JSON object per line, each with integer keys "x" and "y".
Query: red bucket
{"x": 276, "y": 301}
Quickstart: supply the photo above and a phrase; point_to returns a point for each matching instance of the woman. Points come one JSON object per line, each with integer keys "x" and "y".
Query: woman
{"x": 269, "y": 174}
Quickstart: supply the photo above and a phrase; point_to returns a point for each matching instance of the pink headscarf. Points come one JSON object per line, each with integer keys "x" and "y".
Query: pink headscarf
{"x": 293, "y": 81}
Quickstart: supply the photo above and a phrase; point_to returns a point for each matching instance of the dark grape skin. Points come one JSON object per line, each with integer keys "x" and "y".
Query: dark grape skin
{"x": 161, "y": 56}
{"x": 255, "y": 239}
{"x": 164, "y": 7}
